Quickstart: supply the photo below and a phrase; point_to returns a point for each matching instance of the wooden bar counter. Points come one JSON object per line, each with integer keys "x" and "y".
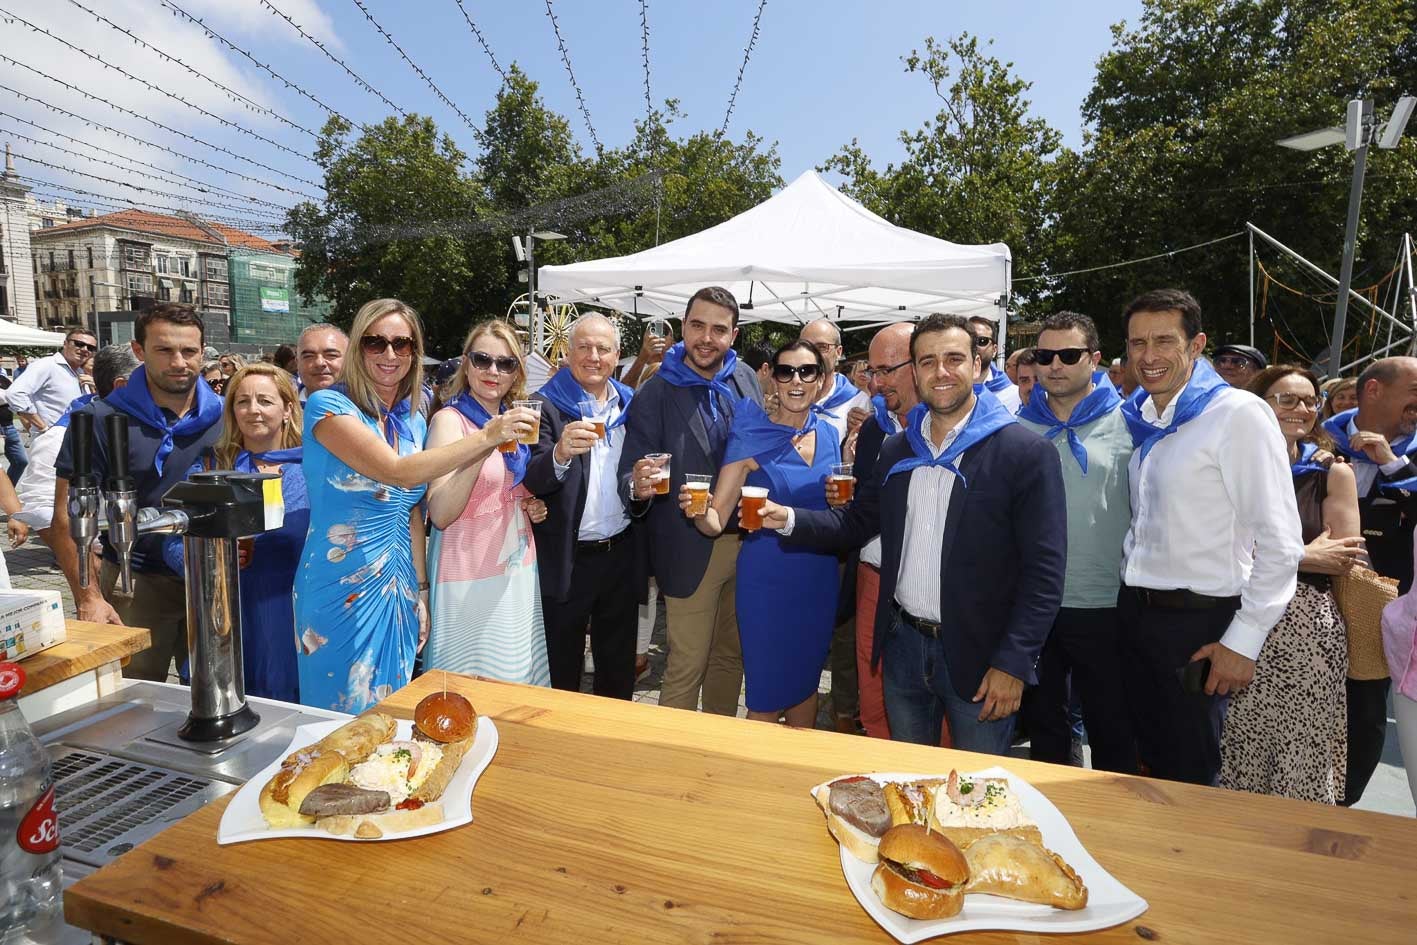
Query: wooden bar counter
{"x": 604, "y": 821}
{"x": 88, "y": 664}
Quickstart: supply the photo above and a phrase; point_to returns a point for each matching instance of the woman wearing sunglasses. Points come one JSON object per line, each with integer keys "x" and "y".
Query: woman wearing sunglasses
{"x": 1286, "y": 733}
{"x": 361, "y": 594}
{"x": 785, "y": 597}
{"x": 482, "y": 560}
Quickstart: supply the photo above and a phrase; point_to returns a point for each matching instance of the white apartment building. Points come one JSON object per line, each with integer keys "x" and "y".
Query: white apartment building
{"x": 17, "y": 282}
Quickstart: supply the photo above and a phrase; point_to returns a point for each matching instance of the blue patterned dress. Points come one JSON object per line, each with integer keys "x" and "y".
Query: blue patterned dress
{"x": 356, "y": 590}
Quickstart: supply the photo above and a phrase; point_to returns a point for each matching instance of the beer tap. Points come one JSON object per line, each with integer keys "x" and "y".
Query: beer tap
{"x": 84, "y": 496}
{"x": 122, "y": 500}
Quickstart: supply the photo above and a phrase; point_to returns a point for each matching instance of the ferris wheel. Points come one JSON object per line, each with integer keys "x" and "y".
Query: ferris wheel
{"x": 547, "y": 330}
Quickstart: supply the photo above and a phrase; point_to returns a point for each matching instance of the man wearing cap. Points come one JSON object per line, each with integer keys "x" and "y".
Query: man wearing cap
{"x": 1237, "y": 365}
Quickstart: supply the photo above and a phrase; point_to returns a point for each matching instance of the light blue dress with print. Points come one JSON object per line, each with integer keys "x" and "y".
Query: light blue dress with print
{"x": 356, "y": 591}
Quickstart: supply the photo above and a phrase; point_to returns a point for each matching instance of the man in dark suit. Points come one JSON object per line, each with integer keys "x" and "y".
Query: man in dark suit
{"x": 685, "y": 410}
{"x": 973, "y": 524}
{"x": 585, "y": 547}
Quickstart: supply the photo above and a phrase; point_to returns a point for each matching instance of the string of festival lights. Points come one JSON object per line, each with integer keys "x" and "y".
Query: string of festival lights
{"x": 255, "y": 212}
{"x": 566, "y": 58}
{"x": 747, "y": 54}
{"x": 482, "y": 41}
{"x": 358, "y": 79}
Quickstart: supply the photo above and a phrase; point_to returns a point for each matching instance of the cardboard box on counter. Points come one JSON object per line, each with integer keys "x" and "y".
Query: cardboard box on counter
{"x": 30, "y": 621}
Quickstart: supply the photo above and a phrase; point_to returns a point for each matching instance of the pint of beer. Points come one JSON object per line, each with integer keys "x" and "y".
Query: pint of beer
{"x": 841, "y": 485}
{"x": 534, "y": 406}
{"x": 594, "y": 412}
{"x": 661, "y": 474}
{"x": 698, "y": 486}
{"x": 750, "y": 510}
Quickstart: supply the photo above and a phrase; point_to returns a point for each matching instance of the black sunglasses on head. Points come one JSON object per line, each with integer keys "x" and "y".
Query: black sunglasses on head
{"x": 483, "y": 361}
{"x": 784, "y": 373}
{"x": 1068, "y": 356}
{"x": 377, "y": 344}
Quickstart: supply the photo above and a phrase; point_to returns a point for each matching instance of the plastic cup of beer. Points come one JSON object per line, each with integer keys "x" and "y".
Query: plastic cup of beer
{"x": 529, "y": 438}
{"x": 750, "y": 510}
{"x": 594, "y": 411}
{"x": 841, "y": 485}
{"x": 661, "y": 475}
{"x": 698, "y": 485}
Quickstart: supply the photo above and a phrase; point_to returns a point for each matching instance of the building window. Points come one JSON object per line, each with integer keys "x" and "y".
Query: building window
{"x": 216, "y": 269}
{"x": 186, "y": 267}
{"x": 90, "y": 251}
{"x": 5, "y": 303}
{"x": 51, "y": 260}
{"x": 46, "y": 223}
{"x": 185, "y": 295}
{"x": 217, "y": 295}
{"x": 71, "y": 259}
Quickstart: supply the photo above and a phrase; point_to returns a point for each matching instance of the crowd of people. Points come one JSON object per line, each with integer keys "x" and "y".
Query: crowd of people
{"x": 1143, "y": 553}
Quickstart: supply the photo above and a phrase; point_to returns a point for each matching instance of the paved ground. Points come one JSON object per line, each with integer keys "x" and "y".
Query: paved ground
{"x": 32, "y": 566}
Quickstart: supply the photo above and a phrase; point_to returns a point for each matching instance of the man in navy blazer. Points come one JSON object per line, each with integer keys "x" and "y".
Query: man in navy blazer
{"x": 973, "y": 523}
{"x": 685, "y": 410}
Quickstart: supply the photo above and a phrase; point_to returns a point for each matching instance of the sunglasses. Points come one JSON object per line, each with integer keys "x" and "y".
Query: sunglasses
{"x": 84, "y": 345}
{"x": 784, "y": 373}
{"x": 1291, "y": 401}
{"x": 377, "y": 344}
{"x": 983, "y": 341}
{"x": 1069, "y": 356}
{"x": 872, "y": 373}
{"x": 1234, "y": 360}
{"x": 483, "y": 362}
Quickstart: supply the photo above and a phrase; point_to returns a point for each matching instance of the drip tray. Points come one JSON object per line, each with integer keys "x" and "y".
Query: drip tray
{"x": 109, "y": 805}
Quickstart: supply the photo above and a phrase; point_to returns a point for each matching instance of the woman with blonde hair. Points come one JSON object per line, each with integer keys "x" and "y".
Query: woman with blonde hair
{"x": 486, "y": 590}
{"x": 261, "y": 421}
{"x": 1339, "y": 394}
{"x": 361, "y": 594}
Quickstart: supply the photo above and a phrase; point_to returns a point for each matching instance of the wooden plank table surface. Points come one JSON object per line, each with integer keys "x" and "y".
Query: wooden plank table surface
{"x": 86, "y": 646}
{"x": 607, "y": 821}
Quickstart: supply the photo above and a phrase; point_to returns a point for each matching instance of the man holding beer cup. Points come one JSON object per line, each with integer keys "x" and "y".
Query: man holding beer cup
{"x": 682, "y": 415}
{"x": 973, "y": 523}
{"x": 592, "y": 574}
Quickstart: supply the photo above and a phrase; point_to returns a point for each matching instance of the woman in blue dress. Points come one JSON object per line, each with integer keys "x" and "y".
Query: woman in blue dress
{"x": 261, "y": 422}
{"x": 361, "y": 593}
{"x": 786, "y": 595}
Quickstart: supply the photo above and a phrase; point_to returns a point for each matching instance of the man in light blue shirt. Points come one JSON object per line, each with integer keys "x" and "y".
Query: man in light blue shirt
{"x": 1076, "y": 408}
{"x": 45, "y": 390}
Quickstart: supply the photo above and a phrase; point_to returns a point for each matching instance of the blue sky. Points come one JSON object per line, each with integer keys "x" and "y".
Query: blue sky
{"x": 821, "y": 72}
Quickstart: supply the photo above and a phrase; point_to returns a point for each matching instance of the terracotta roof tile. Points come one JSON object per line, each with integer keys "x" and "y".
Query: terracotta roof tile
{"x": 161, "y": 225}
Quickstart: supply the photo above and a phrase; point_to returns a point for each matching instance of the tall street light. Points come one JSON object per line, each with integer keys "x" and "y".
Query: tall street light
{"x": 1357, "y": 134}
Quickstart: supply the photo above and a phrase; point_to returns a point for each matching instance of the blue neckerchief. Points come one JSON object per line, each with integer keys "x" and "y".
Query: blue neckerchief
{"x": 1337, "y": 427}
{"x": 246, "y": 460}
{"x": 674, "y": 371}
{"x": 395, "y": 421}
{"x": 997, "y": 380}
{"x": 1203, "y": 385}
{"x": 75, "y": 404}
{"x": 468, "y": 406}
{"x": 566, "y": 393}
{"x": 843, "y": 392}
{"x": 754, "y": 434}
{"x": 1102, "y": 400}
{"x": 988, "y": 418}
{"x": 884, "y": 418}
{"x": 1306, "y": 462}
{"x": 135, "y": 400}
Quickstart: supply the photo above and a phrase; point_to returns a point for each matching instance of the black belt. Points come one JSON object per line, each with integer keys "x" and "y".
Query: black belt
{"x": 929, "y": 628}
{"x": 1180, "y": 599}
{"x": 603, "y": 544}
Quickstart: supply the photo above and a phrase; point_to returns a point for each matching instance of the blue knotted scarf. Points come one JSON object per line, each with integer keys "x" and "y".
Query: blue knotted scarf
{"x": 135, "y": 400}
{"x": 1203, "y": 385}
{"x": 997, "y": 380}
{"x": 395, "y": 421}
{"x": 468, "y": 406}
{"x": 1306, "y": 462}
{"x": 566, "y": 393}
{"x": 77, "y": 403}
{"x": 843, "y": 392}
{"x": 674, "y": 371}
{"x": 754, "y": 434}
{"x": 1102, "y": 400}
{"x": 884, "y": 418}
{"x": 1337, "y": 427}
{"x": 988, "y": 418}
{"x": 246, "y": 460}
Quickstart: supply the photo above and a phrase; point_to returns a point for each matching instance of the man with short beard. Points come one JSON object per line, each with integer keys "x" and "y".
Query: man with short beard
{"x": 686, "y": 410}
{"x": 173, "y": 421}
{"x": 319, "y": 357}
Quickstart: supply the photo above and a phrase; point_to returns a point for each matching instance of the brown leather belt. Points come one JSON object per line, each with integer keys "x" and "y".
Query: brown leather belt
{"x": 928, "y": 628}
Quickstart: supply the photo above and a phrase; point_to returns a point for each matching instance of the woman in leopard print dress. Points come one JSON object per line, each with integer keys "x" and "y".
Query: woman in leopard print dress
{"x": 1286, "y": 733}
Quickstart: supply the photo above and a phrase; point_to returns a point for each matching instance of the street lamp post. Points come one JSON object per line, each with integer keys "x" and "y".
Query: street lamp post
{"x": 1358, "y": 133}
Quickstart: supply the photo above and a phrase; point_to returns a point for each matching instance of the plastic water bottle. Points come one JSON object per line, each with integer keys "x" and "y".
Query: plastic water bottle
{"x": 30, "y": 889}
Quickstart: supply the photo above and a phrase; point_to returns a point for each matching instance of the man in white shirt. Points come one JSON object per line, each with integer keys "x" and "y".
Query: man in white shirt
{"x": 590, "y": 566}
{"x": 839, "y": 396}
{"x": 44, "y": 391}
{"x": 319, "y": 356}
{"x": 1209, "y": 562}
{"x": 986, "y": 340}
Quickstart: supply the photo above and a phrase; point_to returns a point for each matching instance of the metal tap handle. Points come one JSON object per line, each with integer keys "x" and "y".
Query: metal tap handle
{"x": 81, "y": 446}
{"x": 118, "y": 477}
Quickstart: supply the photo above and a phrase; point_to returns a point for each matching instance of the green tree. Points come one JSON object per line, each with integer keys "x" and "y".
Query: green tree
{"x": 1183, "y": 115}
{"x": 979, "y": 171}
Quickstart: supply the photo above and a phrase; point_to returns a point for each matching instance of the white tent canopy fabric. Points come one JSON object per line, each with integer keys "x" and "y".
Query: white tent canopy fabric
{"x": 23, "y": 336}
{"x": 806, "y": 252}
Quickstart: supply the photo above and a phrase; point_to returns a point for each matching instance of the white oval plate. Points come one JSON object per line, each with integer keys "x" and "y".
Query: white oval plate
{"x": 1109, "y": 903}
{"x": 242, "y": 820}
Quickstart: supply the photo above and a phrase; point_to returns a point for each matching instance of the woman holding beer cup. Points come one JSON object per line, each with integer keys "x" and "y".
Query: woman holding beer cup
{"x": 482, "y": 557}
{"x": 786, "y": 596}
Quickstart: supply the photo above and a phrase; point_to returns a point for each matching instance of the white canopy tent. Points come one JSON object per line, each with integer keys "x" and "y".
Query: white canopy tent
{"x": 806, "y": 252}
{"x": 16, "y": 335}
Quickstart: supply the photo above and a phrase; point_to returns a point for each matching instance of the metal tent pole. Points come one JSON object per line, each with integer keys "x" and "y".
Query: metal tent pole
{"x": 1350, "y": 240}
